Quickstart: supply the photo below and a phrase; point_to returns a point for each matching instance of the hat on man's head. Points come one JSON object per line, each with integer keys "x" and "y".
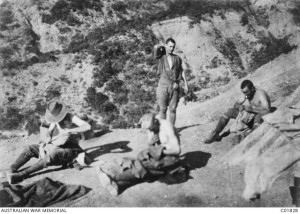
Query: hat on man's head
{"x": 56, "y": 111}
{"x": 147, "y": 121}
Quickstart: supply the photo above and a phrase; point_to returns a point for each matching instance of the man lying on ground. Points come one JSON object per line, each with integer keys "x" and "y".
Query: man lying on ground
{"x": 159, "y": 159}
{"x": 61, "y": 149}
{"x": 248, "y": 111}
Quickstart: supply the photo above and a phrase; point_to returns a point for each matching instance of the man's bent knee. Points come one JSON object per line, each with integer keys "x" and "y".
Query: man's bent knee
{"x": 231, "y": 113}
{"x": 32, "y": 150}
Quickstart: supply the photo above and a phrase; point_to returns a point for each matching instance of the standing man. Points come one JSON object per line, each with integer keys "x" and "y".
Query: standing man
{"x": 171, "y": 72}
{"x": 254, "y": 104}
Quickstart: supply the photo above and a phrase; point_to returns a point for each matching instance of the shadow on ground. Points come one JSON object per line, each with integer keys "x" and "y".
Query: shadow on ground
{"x": 119, "y": 146}
{"x": 185, "y": 127}
{"x": 195, "y": 159}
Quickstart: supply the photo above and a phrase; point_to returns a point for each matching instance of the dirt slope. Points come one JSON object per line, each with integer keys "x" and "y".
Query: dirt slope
{"x": 210, "y": 184}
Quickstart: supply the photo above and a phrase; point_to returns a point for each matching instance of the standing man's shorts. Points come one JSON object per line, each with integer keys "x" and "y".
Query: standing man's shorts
{"x": 166, "y": 96}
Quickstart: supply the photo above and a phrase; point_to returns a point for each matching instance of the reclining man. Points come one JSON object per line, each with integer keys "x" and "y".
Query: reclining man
{"x": 159, "y": 159}
{"x": 61, "y": 149}
{"x": 248, "y": 111}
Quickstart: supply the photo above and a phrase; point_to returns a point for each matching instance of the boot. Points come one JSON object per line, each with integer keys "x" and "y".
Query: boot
{"x": 214, "y": 136}
{"x": 107, "y": 182}
{"x": 297, "y": 191}
{"x": 14, "y": 178}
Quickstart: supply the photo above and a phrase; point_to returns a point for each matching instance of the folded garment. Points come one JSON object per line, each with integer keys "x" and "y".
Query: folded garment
{"x": 41, "y": 193}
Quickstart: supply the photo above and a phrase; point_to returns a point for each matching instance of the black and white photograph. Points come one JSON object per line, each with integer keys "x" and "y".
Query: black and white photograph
{"x": 149, "y": 104}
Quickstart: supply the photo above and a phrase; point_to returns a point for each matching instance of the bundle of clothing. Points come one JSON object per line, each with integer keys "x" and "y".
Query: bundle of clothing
{"x": 40, "y": 193}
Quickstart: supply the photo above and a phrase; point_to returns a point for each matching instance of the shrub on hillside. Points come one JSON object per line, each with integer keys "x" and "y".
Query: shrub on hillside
{"x": 6, "y": 16}
{"x": 6, "y": 52}
{"x": 102, "y": 75}
{"x": 62, "y": 9}
{"x": 52, "y": 92}
{"x": 119, "y": 122}
{"x": 296, "y": 13}
{"x": 59, "y": 11}
{"x": 121, "y": 98}
{"x": 114, "y": 85}
{"x": 72, "y": 21}
{"x": 78, "y": 43}
{"x": 119, "y": 6}
{"x": 134, "y": 112}
{"x": 33, "y": 123}
{"x": 99, "y": 101}
{"x": 272, "y": 48}
{"x": 139, "y": 95}
{"x": 11, "y": 119}
{"x": 108, "y": 107}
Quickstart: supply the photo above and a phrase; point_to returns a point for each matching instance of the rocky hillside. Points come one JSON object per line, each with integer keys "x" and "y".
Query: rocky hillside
{"x": 96, "y": 54}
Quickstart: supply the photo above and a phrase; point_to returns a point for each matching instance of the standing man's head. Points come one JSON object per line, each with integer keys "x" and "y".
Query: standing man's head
{"x": 170, "y": 45}
{"x": 248, "y": 88}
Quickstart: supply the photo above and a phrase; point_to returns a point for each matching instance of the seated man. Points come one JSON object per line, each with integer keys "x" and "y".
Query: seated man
{"x": 248, "y": 110}
{"x": 57, "y": 150}
{"x": 160, "y": 158}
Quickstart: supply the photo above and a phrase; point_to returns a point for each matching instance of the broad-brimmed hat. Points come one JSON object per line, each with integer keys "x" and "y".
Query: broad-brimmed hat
{"x": 147, "y": 121}
{"x": 56, "y": 111}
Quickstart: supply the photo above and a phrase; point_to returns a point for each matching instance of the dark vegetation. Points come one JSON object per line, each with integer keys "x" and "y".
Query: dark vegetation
{"x": 271, "y": 49}
{"x": 11, "y": 118}
{"x": 21, "y": 47}
{"x": 296, "y": 12}
{"x": 63, "y": 9}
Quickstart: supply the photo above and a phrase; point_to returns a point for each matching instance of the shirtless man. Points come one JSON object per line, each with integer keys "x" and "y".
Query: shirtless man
{"x": 160, "y": 158}
{"x": 171, "y": 72}
{"x": 254, "y": 101}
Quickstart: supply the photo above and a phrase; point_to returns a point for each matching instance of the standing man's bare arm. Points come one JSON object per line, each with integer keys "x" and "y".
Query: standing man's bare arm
{"x": 186, "y": 87}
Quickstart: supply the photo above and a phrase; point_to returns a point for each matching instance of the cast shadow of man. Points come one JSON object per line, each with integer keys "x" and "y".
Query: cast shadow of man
{"x": 185, "y": 127}
{"x": 116, "y": 147}
{"x": 188, "y": 161}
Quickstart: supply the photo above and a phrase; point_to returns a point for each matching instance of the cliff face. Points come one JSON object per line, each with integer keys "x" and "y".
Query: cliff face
{"x": 96, "y": 55}
{"x": 233, "y": 43}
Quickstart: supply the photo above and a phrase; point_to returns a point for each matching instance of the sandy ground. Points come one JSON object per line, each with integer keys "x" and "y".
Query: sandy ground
{"x": 211, "y": 184}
